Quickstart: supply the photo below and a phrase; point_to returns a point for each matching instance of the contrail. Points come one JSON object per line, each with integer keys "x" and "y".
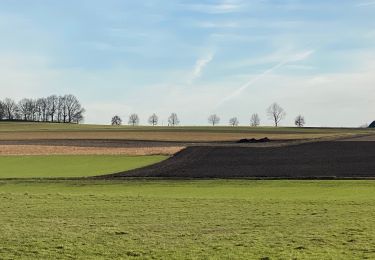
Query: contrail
{"x": 237, "y": 92}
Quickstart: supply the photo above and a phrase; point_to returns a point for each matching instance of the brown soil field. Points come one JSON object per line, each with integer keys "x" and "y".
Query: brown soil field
{"x": 159, "y": 136}
{"x": 319, "y": 160}
{"x": 94, "y": 143}
{"x": 124, "y": 147}
{"x": 78, "y": 150}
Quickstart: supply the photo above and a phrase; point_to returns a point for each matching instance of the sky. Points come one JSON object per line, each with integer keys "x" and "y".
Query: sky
{"x": 194, "y": 58}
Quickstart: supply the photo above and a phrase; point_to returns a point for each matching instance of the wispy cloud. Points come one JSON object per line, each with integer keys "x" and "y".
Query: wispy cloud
{"x": 250, "y": 23}
{"x": 228, "y": 6}
{"x": 368, "y": 3}
{"x": 293, "y": 58}
{"x": 230, "y": 24}
{"x": 200, "y": 64}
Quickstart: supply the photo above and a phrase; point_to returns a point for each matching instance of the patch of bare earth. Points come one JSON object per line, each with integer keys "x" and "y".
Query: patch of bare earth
{"x": 317, "y": 160}
{"x": 158, "y": 136}
{"x": 76, "y": 150}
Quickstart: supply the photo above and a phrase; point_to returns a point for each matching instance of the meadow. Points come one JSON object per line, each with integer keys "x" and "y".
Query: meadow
{"x": 83, "y": 218}
{"x": 206, "y": 219}
{"x": 67, "y": 166}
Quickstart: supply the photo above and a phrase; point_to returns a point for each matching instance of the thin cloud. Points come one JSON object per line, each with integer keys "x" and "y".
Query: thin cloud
{"x": 217, "y": 24}
{"x": 366, "y": 4}
{"x": 294, "y": 58}
{"x": 219, "y": 8}
{"x": 200, "y": 65}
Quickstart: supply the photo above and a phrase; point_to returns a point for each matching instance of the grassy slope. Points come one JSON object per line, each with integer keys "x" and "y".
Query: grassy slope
{"x": 186, "y": 220}
{"x": 70, "y": 165}
{"x": 201, "y": 133}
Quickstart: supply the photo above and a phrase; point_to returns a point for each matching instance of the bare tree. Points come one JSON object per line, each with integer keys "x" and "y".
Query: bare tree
{"x": 133, "y": 119}
{"x": 52, "y": 103}
{"x": 2, "y": 110}
{"x": 234, "y": 121}
{"x": 73, "y": 109}
{"x": 254, "y": 120}
{"x": 77, "y": 117}
{"x": 213, "y": 119}
{"x": 173, "y": 120}
{"x": 10, "y": 109}
{"x": 116, "y": 120}
{"x": 299, "y": 121}
{"x": 42, "y": 109}
{"x": 62, "y": 111}
{"x": 276, "y": 113}
{"x": 33, "y": 110}
{"x": 59, "y": 109}
{"x": 69, "y": 107}
{"x": 65, "y": 109}
{"x": 25, "y": 109}
{"x": 153, "y": 120}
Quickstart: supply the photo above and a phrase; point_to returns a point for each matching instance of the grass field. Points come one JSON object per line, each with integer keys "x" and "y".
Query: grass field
{"x": 20, "y": 131}
{"x": 187, "y": 219}
{"x": 70, "y": 165}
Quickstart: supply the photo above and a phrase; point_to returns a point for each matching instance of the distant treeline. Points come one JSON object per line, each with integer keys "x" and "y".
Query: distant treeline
{"x": 62, "y": 109}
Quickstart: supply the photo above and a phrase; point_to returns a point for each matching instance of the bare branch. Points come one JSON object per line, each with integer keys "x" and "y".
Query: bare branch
{"x": 276, "y": 113}
{"x": 213, "y": 119}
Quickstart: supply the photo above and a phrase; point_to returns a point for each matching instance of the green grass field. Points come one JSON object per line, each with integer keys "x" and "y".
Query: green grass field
{"x": 54, "y": 166}
{"x": 187, "y": 219}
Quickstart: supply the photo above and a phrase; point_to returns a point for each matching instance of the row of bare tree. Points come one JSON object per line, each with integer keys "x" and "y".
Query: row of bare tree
{"x": 275, "y": 112}
{"x": 63, "y": 109}
{"x": 152, "y": 120}
{"x": 233, "y": 121}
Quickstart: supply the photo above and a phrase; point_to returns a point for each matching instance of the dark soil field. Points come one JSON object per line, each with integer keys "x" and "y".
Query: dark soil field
{"x": 365, "y": 138}
{"x": 335, "y": 159}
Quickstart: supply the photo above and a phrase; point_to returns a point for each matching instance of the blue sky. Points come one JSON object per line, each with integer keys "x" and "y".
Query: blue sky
{"x": 230, "y": 57}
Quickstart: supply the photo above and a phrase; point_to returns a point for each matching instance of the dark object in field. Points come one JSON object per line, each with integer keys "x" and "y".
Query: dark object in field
{"x": 372, "y": 125}
{"x": 253, "y": 140}
{"x": 322, "y": 160}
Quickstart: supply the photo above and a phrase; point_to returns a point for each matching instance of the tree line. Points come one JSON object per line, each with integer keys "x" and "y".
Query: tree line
{"x": 59, "y": 109}
{"x": 274, "y": 112}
